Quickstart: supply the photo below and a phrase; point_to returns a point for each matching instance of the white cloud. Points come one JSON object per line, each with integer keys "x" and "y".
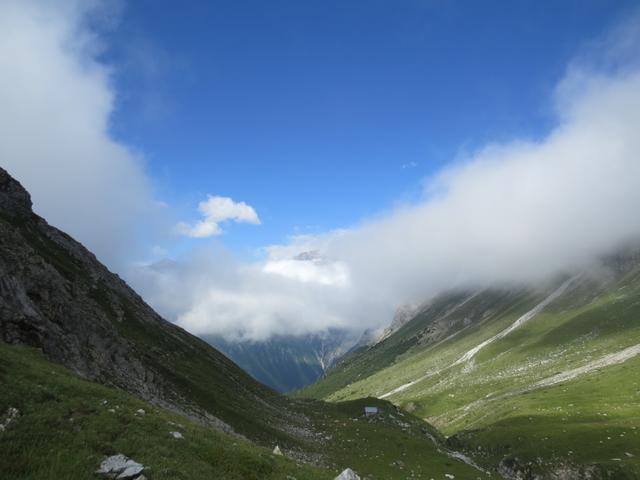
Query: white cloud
{"x": 210, "y": 291}
{"x": 56, "y": 99}
{"x": 323, "y": 273}
{"x": 216, "y": 210}
{"x": 512, "y": 213}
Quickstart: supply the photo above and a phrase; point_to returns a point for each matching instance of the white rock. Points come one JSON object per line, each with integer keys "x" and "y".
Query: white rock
{"x": 347, "y": 474}
{"x": 448, "y": 475}
{"x": 140, "y": 411}
{"x": 7, "y": 419}
{"x": 176, "y": 434}
{"x": 131, "y": 471}
{"x": 277, "y": 451}
{"x": 120, "y": 467}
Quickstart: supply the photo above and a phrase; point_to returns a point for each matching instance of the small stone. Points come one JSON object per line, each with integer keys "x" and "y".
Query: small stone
{"x": 140, "y": 411}
{"x": 7, "y": 419}
{"x": 347, "y": 474}
{"x": 277, "y": 451}
{"x": 176, "y": 435}
{"x": 120, "y": 467}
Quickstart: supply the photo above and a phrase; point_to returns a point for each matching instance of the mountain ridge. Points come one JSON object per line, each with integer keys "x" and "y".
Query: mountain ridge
{"x": 542, "y": 382}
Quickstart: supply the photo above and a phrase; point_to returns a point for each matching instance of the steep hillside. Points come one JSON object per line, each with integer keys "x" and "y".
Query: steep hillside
{"x": 55, "y": 295}
{"x": 538, "y": 381}
{"x": 88, "y": 370}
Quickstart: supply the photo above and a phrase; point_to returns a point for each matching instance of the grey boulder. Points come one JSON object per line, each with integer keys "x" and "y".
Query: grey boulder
{"x": 120, "y": 467}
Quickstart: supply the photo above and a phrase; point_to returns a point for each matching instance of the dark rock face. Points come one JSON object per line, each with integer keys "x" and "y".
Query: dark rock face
{"x": 50, "y": 292}
{"x": 55, "y": 295}
{"x": 15, "y": 201}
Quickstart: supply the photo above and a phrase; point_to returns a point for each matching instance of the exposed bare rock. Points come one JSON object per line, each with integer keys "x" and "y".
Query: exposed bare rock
{"x": 347, "y": 474}
{"x": 8, "y": 418}
{"x": 120, "y": 467}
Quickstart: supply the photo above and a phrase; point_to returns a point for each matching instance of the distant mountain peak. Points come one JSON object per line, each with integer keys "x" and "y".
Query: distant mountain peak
{"x": 309, "y": 256}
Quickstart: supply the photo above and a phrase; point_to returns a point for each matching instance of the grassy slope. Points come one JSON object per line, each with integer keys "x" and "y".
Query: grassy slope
{"x": 402, "y": 358}
{"x": 593, "y": 419}
{"x": 65, "y": 429}
{"x": 484, "y": 401}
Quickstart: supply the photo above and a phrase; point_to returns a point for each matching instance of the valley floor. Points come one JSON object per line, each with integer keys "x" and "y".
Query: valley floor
{"x": 66, "y": 426}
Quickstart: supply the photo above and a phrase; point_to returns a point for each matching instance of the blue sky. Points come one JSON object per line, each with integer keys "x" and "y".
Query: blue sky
{"x": 322, "y": 113}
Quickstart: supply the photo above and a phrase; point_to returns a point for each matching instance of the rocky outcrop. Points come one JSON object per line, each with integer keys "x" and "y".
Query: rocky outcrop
{"x": 404, "y": 313}
{"x": 56, "y": 296}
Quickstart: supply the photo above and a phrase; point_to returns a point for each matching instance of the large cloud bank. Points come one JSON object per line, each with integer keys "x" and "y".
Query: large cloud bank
{"x": 56, "y": 100}
{"x": 511, "y": 213}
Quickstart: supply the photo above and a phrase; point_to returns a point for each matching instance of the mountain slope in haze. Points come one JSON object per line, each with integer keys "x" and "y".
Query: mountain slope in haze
{"x": 543, "y": 382}
{"x": 285, "y": 362}
{"x": 82, "y": 354}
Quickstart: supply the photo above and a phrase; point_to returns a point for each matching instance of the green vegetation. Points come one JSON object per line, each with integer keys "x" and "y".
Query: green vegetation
{"x": 592, "y": 420}
{"x": 391, "y": 444}
{"x": 67, "y": 426}
{"x": 491, "y": 405}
